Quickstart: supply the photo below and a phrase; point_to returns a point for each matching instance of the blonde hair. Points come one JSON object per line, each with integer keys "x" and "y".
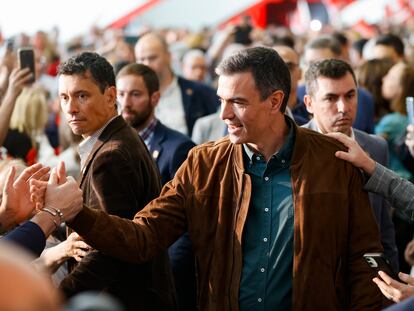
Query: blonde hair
{"x": 30, "y": 112}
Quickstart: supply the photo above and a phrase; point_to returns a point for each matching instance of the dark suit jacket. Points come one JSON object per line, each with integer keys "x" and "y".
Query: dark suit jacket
{"x": 120, "y": 178}
{"x": 198, "y": 100}
{"x": 28, "y": 236}
{"x": 169, "y": 149}
{"x": 376, "y": 147}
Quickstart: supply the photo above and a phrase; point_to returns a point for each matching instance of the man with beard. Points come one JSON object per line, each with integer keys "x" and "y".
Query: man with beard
{"x": 138, "y": 94}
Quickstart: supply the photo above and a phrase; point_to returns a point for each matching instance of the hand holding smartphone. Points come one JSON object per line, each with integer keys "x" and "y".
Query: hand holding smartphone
{"x": 26, "y": 60}
{"x": 378, "y": 262}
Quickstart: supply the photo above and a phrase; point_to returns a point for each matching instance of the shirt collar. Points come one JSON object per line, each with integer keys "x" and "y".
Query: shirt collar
{"x": 147, "y": 133}
{"x": 286, "y": 151}
{"x": 173, "y": 85}
{"x": 85, "y": 146}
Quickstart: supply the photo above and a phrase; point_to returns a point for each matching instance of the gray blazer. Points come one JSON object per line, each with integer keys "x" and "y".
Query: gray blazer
{"x": 208, "y": 128}
{"x": 398, "y": 191}
{"x": 377, "y": 148}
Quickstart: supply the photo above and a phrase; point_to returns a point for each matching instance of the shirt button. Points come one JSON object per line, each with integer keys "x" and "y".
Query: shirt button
{"x": 266, "y": 209}
{"x": 259, "y": 299}
{"x": 283, "y": 161}
{"x": 266, "y": 178}
{"x": 258, "y": 158}
{"x": 262, "y": 270}
{"x": 265, "y": 240}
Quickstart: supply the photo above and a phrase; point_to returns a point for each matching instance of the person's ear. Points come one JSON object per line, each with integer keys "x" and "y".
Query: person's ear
{"x": 307, "y": 99}
{"x": 110, "y": 96}
{"x": 155, "y": 97}
{"x": 276, "y": 100}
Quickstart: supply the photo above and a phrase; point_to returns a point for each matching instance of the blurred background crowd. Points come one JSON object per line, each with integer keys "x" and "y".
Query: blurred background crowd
{"x": 377, "y": 40}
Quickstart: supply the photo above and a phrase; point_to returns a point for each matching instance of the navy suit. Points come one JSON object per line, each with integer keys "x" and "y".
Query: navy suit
{"x": 169, "y": 149}
{"x": 198, "y": 100}
{"x": 364, "y": 120}
{"x": 377, "y": 148}
{"x": 28, "y": 236}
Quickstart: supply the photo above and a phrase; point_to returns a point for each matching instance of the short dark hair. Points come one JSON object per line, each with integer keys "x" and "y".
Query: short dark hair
{"x": 325, "y": 42}
{"x": 330, "y": 68}
{"x": 100, "y": 69}
{"x": 269, "y": 71}
{"x": 392, "y": 41}
{"x": 148, "y": 75}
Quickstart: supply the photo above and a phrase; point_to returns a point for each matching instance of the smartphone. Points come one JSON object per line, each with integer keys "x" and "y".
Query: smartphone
{"x": 26, "y": 60}
{"x": 377, "y": 261}
{"x": 409, "y": 101}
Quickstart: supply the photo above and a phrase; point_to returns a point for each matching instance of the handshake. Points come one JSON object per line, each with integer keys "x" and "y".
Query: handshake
{"x": 37, "y": 191}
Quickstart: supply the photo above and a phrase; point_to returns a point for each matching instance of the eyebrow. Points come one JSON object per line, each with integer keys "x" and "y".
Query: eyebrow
{"x": 336, "y": 94}
{"x": 233, "y": 99}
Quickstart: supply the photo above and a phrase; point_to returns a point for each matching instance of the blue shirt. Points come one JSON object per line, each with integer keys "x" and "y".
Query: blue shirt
{"x": 266, "y": 281}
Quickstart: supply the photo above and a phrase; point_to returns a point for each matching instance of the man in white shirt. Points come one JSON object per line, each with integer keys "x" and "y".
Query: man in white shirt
{"x": 182, "y": 101}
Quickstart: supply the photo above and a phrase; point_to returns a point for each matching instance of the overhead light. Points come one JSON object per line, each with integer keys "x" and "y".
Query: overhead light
{"x": 315, "y": 25}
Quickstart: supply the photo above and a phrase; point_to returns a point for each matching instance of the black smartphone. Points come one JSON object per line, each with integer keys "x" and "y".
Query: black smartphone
{"x": 26, "y": 60}
{"x": 378, "y": 261}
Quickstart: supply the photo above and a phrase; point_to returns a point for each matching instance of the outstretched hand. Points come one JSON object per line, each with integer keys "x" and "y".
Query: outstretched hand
{"x": 38, "y": 187}
{"x": 17, "y": 80}
{"x": 16, "y": 205}
{"x": 355, "y": 154}
{"x": 393, "y": 289}
{"x": 63, "y": 194}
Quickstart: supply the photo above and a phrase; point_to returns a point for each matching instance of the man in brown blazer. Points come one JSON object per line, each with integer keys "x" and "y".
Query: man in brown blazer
{"x": 118, "y": 176}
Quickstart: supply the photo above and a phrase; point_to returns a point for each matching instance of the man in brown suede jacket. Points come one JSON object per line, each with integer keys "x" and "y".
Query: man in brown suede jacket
{"x": 277, "y": 222}
{"x": 118, "y": 177}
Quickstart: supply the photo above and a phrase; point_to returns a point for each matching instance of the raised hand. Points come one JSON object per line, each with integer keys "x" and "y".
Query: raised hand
{"x": 355, "y": 154}
{"x": 66, "y": 196}
{"x": 393, "y": 289}
{"x": 17, "y": 80}
{"x": 16, "y": 205}
{"x": 38, "y": 187}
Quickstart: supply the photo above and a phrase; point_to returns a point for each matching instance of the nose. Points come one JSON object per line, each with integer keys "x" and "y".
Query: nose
{"x": 342, "y": 105}
{"x": 71, "y": 106}
{"x": 227, "y": 112}
{"x": 123, "y": 100}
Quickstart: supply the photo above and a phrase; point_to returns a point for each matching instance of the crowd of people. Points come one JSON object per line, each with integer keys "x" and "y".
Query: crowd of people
{"x": 237, "y": 169}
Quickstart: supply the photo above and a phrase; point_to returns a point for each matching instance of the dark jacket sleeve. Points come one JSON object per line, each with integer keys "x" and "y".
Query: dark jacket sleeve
{"x": 28, "y": 236}
{"x": 113, "y": 189}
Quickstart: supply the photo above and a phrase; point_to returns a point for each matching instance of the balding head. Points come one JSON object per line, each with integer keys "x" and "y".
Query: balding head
{"x": 21, "y": 287}
{"x": 152, "y": 50}
{"x": 195, "y": 65}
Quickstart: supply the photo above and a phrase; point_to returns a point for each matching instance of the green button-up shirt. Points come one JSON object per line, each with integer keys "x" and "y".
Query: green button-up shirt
{"x": 266, "y": 282}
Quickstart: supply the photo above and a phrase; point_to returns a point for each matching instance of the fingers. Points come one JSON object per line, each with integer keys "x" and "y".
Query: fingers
{"x": 10, "y": 179}
{"x": 341, "y": 138}
{"x": 41, "y": 174}
{"x": 392, "y": 285}
{"x": 406, "y": 278}
{"x": 342, "y": 155}
{"x": 28, "y": 172}
{"x": 61, "y": 172}
{"x": 53, "y": 179}
{"x": 384, "y": 288}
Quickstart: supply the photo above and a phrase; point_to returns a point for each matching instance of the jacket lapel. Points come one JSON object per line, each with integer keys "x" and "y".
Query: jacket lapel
{"x": 110, "y": 129}
{"x": 158, "y": 138}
